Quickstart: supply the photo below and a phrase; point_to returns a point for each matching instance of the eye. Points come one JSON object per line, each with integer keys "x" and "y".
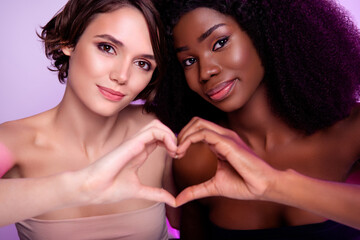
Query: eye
{"x": 107, "y": 48}
{"x": 220, "y": 43}
{"x": 144, "y": 65}
{"x": 188, "y": 62}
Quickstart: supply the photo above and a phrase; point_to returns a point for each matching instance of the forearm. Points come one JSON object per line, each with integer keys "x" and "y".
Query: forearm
{"x": 332, "y": 200}
{"x": 28, "y": 197}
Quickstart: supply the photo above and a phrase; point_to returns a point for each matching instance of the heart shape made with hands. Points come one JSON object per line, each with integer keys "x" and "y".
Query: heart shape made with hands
{"x": 211, "y": 160}
{"x": 203, "y": 174}
{"x": 219, "y": 163}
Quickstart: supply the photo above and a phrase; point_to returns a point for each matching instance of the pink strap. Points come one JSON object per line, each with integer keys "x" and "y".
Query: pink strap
{"x": 6, "y": 159}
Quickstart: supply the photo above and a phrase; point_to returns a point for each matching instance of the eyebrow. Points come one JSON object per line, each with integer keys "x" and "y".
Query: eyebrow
{"x": 209, "y": 31}
{"x": 111, "y": 39}
{"x": 202, "y": 36}
{"x": 120, "y": 44}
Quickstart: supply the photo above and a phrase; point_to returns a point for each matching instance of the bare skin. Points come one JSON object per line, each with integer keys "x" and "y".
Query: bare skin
{"x": 270, "y": 146}
{"x": 54, "y": 155}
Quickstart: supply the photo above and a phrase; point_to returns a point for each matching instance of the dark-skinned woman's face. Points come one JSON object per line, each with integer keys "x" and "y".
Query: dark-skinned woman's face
{"x": 220, "y": 61}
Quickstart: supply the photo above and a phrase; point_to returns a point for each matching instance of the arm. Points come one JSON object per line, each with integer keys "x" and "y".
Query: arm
{"x": 243, "y": 175}
{"x": 24, "y": 198}
{"x": 333, "y": 200}
{"x": 110, "y": 179}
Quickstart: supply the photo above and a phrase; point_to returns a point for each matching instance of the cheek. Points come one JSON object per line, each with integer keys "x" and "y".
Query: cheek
{"x": 247, "y": 61}
{"x": 237, "y": 58}
{"x": 139, "y": 81}
{"x": 191, "y": 80}
{"x": 88, "y": 64}
{"x": 95, "y": 66}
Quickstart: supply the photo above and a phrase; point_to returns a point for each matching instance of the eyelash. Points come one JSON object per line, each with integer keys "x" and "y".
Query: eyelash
{"x": 148, "y": 68}
{"x": 103, "y": 46}
{"x": 222, "y": 43}
{"x": 188, "y": 59}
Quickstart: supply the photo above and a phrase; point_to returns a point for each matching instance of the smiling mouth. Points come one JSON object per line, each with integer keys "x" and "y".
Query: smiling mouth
{"x": 110, "y": 94}
{"x": 221, "y": 91}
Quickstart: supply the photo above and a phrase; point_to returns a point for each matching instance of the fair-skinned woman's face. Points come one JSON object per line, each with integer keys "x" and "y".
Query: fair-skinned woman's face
{"x": 112, "y": 62}
{"x": 219, "y": 60}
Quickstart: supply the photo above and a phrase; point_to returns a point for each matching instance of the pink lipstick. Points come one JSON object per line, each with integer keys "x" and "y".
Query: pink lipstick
{"x": 110, "y": 94}
{"x": 221, "y": 91}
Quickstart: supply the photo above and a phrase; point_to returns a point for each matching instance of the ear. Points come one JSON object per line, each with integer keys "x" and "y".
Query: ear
{"x": 67, "y": 50}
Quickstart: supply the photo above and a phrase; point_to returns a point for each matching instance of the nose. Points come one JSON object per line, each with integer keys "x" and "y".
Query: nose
{"x": 120, "y": 72}
{"x": 208, "y": 69}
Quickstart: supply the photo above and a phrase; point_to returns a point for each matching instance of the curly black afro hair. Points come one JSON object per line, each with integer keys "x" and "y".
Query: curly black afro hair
{"x": 310, "y": 51}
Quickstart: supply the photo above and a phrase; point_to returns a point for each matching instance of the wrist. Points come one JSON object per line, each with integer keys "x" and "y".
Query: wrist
{"x": 72, "y": 194}
{"x": 278, "y": 185}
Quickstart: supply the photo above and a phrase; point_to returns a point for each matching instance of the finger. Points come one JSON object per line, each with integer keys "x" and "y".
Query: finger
{"x": 162, "y": 134}
{"x": 239, "y": 156}
{"x": 114, "y": 161}
{"x": 151, "y": 136}
{"x": 206, "y": 189}
{"x": 158, "y": 124}
{"x": 187, "y": 127}
{"x": 197, "y": 124}
{"x": 194, "y": 125}
{"x": 157, "y": 195}
{"x": 223, "y": 146}
{"x": 204, "y": 135}
{"x": 167, "y": 140}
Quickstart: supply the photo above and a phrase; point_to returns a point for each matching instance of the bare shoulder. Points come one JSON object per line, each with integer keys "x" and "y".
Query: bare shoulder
{"x": 21, "y": 133}
{"x": 14, "y": 132}
{"x": 14, "y": 136}
{"x": 346, "y": 132}
{"x": 354, "y": 126}
{"x": 351, "y": 127}
{"x": 197, "y": 166}
{"x": 355, "y": 114}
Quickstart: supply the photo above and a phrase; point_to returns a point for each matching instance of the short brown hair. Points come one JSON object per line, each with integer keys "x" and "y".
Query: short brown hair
{"x": 66, "y": 27}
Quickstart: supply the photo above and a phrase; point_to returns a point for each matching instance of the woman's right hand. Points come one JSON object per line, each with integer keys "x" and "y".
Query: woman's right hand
{"x": 114, "y": 177}
{"x": 240, "y": 174}
{"x": 243, "y": 175}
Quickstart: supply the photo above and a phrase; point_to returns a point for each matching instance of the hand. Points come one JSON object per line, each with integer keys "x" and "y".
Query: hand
{"x": 114, "y": 177}
{"x": 240, "y": 173}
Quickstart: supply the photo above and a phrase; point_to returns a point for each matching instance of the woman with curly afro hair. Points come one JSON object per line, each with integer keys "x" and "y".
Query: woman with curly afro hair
{"x": 278, "y": 84}
{"x": 90, "y": 168}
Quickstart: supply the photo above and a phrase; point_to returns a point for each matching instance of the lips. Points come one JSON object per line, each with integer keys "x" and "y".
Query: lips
{"x": 110, "y": 94}
{"x": 221, "y": 91}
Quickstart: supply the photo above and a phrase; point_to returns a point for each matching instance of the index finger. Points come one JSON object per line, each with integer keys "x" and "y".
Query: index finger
{"x": 197, "y": 124}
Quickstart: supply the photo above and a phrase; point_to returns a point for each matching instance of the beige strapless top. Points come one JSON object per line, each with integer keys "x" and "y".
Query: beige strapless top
{"x": 148, "y": 224}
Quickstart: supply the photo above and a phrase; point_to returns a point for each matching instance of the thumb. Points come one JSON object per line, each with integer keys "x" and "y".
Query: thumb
{"x": 157, "y": 195}
{"x": 205, "y": 189}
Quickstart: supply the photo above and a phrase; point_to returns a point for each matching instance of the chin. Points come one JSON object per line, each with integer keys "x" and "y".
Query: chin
{"x": 108, "y": 112}
{"x": 227, "y": 106}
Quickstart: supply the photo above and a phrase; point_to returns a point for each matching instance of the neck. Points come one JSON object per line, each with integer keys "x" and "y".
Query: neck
{"x": 258, "y": 126}
{"x": 81, "y": 126}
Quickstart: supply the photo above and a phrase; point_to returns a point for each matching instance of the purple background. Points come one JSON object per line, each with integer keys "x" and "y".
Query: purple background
{"x": 26, "y": 86}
